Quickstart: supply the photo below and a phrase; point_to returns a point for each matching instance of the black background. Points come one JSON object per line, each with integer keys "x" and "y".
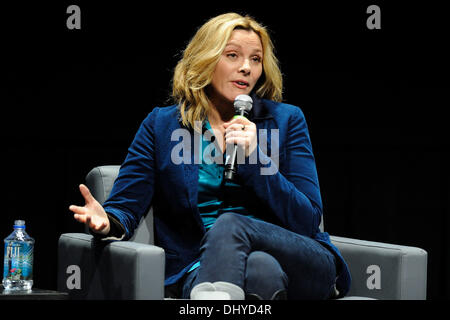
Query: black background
{"x": 375, "y": 102}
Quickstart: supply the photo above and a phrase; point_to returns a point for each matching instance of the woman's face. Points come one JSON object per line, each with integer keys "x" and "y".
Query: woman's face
{"x": 239, "y": 67}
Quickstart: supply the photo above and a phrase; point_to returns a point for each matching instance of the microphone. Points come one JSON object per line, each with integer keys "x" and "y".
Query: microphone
{"x": 242, "y": 106}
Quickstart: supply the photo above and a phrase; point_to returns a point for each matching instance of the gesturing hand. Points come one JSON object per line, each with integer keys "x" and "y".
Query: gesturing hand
{"x": 92, "y": 214}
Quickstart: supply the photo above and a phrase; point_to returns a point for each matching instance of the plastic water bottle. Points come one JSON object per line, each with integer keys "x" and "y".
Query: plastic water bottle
{"x": 18, "y": 262}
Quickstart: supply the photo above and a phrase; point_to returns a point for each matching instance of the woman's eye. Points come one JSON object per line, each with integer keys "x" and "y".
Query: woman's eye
{"x": 232, "y": 55}
{"x": 257, "y": 59}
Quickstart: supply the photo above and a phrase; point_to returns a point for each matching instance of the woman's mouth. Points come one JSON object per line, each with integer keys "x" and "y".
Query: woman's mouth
{"x": 241, "y": 84}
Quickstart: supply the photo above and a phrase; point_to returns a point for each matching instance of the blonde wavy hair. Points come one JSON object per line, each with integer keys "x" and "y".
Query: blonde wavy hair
{"x": 194, "y": 71}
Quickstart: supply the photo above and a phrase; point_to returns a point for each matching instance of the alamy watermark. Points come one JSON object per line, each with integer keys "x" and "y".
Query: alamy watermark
{"x": 374, "y": 280}
{"x": 73, "y": 21}
{"x": 74, "y": 279}
{"x": 374, "y": 20}
{"x": 182, "y": 151}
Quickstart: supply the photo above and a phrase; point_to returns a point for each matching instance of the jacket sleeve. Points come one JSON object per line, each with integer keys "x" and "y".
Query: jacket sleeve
{"x": 133, "y": 190}
{"x": 293, "y": 195}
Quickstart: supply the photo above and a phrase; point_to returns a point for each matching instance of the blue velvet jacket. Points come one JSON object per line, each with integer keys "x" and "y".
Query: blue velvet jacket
{"x": 288, "y": 196}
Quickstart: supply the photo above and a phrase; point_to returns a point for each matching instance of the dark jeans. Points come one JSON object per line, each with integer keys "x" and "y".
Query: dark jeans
{"x": 263, "y": 258}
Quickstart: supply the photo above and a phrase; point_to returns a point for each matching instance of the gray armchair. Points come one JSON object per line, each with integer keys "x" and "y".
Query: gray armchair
{"x": 134, "y": 269}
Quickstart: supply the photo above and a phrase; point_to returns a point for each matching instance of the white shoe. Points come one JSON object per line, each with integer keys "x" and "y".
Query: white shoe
{"x": 200, "y": 291}
{"x": 235, "y": 292}
{"x": 219, "y": 290}
{"x": 210, "y": 295}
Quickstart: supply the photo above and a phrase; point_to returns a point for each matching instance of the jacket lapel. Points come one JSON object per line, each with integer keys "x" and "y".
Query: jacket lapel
{"x": 191, "y": 180}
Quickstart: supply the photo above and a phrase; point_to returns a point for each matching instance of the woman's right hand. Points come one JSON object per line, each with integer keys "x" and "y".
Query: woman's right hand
{"x": 92, "y": 214}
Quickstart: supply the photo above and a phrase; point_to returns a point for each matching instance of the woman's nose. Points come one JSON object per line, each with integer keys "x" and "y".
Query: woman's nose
{"x": 245, "y": 68}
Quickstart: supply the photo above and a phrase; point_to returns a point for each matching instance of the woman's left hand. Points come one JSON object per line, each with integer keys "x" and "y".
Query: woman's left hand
{"x": 242, "y": 132}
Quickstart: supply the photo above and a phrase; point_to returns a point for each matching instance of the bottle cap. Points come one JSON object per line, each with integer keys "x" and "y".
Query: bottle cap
{"x": 19, "y": 224}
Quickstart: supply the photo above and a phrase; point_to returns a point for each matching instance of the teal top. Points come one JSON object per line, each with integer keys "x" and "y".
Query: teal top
{"x": 214, "y": 194}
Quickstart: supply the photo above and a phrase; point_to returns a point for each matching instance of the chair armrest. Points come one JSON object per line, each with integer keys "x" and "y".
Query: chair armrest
{"x": 384, "y": 271}
{"x": 93, "y": 269}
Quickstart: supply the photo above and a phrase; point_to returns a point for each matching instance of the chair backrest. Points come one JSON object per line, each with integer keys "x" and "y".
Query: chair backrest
{"x": 100, "y": 181}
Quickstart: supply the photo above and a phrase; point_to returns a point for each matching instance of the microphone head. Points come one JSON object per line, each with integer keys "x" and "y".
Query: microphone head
{"x": 244, "y": 103}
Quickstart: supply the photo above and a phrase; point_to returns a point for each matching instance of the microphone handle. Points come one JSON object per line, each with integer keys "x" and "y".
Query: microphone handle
{"x": 231, "y": 166}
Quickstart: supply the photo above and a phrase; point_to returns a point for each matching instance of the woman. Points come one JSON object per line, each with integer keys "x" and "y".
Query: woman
{"x": 255, "y": 237}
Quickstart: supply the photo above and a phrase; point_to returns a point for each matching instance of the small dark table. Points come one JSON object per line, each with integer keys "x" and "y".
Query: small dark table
{"x": 33, "y": 294}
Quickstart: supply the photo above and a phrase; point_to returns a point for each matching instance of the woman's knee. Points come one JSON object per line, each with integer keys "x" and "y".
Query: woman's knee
{"x": 264, "y": 275}
{"x": 230, "y": 219}
{"x": 227, "y": 224}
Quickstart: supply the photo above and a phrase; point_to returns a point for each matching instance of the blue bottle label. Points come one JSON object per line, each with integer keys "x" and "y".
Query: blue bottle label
{"x": 18, "y": 262}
